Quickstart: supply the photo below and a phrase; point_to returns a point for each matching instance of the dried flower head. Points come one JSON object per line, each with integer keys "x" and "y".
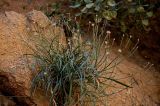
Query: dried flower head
{"x": 120, "y": 50}
{"x": 106, "y": 42}
{"x": 108, "y": 32}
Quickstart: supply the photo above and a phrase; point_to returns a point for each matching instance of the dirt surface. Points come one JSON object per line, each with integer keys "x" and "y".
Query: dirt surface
{"x": 146, "y": 87}
{"x": 145, "y": 83}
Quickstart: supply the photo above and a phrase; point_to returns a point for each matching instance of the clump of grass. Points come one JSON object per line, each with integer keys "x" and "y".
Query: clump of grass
{"x": 77, "y": 74}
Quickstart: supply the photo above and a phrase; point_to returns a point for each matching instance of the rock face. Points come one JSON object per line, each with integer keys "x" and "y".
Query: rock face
{"x": 15, "y": 76}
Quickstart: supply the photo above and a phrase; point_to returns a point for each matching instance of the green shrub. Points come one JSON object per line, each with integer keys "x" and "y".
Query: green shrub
{"x": 123, "y": 14}
{"x": 77, "y": 72}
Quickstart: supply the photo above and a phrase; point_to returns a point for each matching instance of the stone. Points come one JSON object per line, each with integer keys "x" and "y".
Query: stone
{"x": 15, "y": 75}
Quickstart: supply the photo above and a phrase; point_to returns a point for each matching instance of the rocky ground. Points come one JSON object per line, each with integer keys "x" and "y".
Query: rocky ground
{"x": 15, "y": 76}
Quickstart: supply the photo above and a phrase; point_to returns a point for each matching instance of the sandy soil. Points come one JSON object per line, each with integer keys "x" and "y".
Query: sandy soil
{"x": 145, "y": 83}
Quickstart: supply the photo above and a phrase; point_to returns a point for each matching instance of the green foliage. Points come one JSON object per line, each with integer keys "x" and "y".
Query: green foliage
{"x": 51, "y": 9}
{"x": 121, "y": 13}
{"x": 76, "y": 72}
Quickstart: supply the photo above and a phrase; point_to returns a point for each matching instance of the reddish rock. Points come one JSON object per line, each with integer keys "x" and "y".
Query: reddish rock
{"x": 15, "y": 76}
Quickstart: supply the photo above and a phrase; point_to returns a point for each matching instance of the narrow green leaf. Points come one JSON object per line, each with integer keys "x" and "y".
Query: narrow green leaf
{"x": 87, "y": 1}
{"x": 111, "y": 3}
{"x": 119, "y": 82}
{"x": 90, "y": 5}
{"x": 84, "y": 10}
{"x": 77, "y": 5}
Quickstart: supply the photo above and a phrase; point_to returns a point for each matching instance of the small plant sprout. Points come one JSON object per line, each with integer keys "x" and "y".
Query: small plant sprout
{"x": 97, "y": 19}
{"x": 128, "y": 41}
{"x": 113, "y": 41}
{"x": 108, "y": 35}
{"x": 135, "y": 46}
{"x": 122, "y": 41}
{"x": 148, "y": 66}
